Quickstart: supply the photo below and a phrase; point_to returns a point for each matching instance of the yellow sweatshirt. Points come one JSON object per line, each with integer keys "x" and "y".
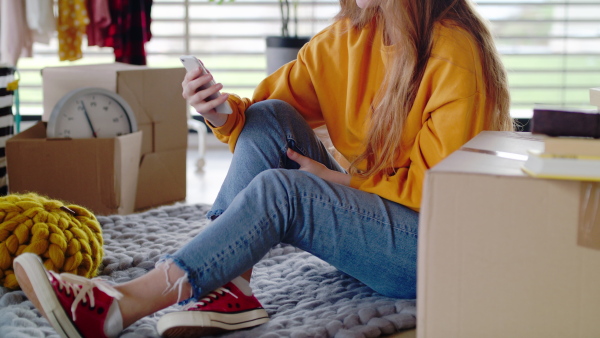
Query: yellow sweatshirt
{"x": 335, "y": 79}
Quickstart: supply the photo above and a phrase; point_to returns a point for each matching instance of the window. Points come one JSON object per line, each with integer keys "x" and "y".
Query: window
{"x": 551, "y": 48}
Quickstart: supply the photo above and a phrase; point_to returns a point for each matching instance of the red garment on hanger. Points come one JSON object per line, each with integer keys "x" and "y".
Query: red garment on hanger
{"x": 129, "y": 30}
{"x": 99, "y": 15}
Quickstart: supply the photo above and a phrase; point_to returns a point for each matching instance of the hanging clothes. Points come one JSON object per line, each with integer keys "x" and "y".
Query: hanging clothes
{"x": 72, "y": 22}
{"x": 15, "y": 36}
{"x": 40, "y": 19}
{"x": 99, "y": 15}
{"x": 129, "y": 30}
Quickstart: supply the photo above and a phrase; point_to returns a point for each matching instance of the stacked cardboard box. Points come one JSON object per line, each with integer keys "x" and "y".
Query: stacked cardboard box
{"x": 595, "y": 97}
{"x": 154, "y": 94}
{"x": 502, "y": 254}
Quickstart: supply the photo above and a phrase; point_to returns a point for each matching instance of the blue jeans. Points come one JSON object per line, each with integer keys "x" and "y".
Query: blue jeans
{"x": 264, "y": 201}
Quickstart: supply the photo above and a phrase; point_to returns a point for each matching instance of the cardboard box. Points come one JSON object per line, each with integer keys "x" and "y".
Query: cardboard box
{"x": 502, "y": 254}
{"x": 595, "y": 97}
{"x": 162, "y": 178}
{"x": 154, "y": 94}
{"x": 99, "y": 174}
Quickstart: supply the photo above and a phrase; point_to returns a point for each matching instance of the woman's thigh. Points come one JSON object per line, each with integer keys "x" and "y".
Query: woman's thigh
{"x": 361, "y": 234}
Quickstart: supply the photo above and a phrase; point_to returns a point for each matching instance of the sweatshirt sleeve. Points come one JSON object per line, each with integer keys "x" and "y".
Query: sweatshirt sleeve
{"x": 291, "y": 83}
{"x": 448, "y": 111}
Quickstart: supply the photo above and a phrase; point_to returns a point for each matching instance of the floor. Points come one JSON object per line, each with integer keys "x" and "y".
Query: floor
{"x": 203, "y": 185}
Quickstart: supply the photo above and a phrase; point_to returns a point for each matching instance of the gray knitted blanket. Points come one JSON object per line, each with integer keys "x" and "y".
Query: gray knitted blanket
{"x": 304, "y": 296}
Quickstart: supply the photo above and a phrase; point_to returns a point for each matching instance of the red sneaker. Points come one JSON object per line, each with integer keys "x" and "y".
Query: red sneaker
{"x": 75, "y": 306}
{"x": 227, "y": 308}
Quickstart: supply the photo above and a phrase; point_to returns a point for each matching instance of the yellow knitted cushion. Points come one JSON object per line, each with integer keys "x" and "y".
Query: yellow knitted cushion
{"x": 68, "y": 238}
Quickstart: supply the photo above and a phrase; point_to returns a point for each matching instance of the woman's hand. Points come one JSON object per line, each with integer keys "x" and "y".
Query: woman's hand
{"x": 314, "y": 167}
{"x": 197, "y": 98}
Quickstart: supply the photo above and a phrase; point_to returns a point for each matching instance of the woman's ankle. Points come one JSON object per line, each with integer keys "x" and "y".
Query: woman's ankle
{"x": 158, "y": 289}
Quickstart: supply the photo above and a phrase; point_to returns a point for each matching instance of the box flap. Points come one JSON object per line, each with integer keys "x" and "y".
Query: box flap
{"x": 36, "y": 131}
{"x": 589, "y": 215}
{"x": 492, "y": 153}
{"x": 127, "y": 166}
{"x": 162, "y": 179}
{"x": 595, "y": 96}
{"x": 113, "y": 67}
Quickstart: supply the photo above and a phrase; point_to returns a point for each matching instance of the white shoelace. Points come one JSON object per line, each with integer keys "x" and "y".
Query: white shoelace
{"x": 214, "y": 294}
{"x": 73, "y": 282}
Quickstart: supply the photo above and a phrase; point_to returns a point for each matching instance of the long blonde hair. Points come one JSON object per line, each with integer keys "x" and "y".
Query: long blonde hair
{"x": 410, "y": 24}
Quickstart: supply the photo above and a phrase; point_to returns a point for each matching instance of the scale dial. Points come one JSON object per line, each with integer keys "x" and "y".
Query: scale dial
{"x": 91, "y": 113}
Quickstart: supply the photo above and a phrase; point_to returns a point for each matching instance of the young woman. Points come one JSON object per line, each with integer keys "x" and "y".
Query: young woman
{"x": 400, "y": 84}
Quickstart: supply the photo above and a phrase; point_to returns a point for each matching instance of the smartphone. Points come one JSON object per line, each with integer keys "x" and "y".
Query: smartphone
{"x": 192, "y": 63}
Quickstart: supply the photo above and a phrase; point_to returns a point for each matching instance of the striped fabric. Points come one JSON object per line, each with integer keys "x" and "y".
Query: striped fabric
{"x": 6, "y": 122}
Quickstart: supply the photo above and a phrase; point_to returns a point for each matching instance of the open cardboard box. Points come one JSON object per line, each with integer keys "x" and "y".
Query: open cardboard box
{"x": 99, "y": 174}
{"x": 502, "y": 254}
{"x": 154, "y": 95}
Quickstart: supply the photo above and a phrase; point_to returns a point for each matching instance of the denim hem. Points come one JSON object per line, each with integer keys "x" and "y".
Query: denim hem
{"x": 191, "y": 278}
{"x": 213, "y": 214}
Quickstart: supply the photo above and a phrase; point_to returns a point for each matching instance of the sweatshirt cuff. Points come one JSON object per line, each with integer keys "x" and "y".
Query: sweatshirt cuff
{"x": 356, "y": 181}
{"x": 229, "y": 125}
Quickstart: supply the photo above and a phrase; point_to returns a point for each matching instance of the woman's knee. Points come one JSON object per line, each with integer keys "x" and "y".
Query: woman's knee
{"x": 282, "y": 180}
{"x": 269, "y": 105}
{"x": 271, "y": 111}
{"x": 284, "y": 187}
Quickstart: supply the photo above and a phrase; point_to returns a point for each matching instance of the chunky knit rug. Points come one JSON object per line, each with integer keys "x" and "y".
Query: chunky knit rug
{"x": 304, "y": 296}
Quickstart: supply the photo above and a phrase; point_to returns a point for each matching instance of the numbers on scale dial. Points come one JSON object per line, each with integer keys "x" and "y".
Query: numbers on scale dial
{"x": 106, "y": 118}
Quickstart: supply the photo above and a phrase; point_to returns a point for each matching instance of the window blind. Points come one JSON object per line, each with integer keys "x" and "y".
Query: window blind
{"x": 551, "y": 48}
